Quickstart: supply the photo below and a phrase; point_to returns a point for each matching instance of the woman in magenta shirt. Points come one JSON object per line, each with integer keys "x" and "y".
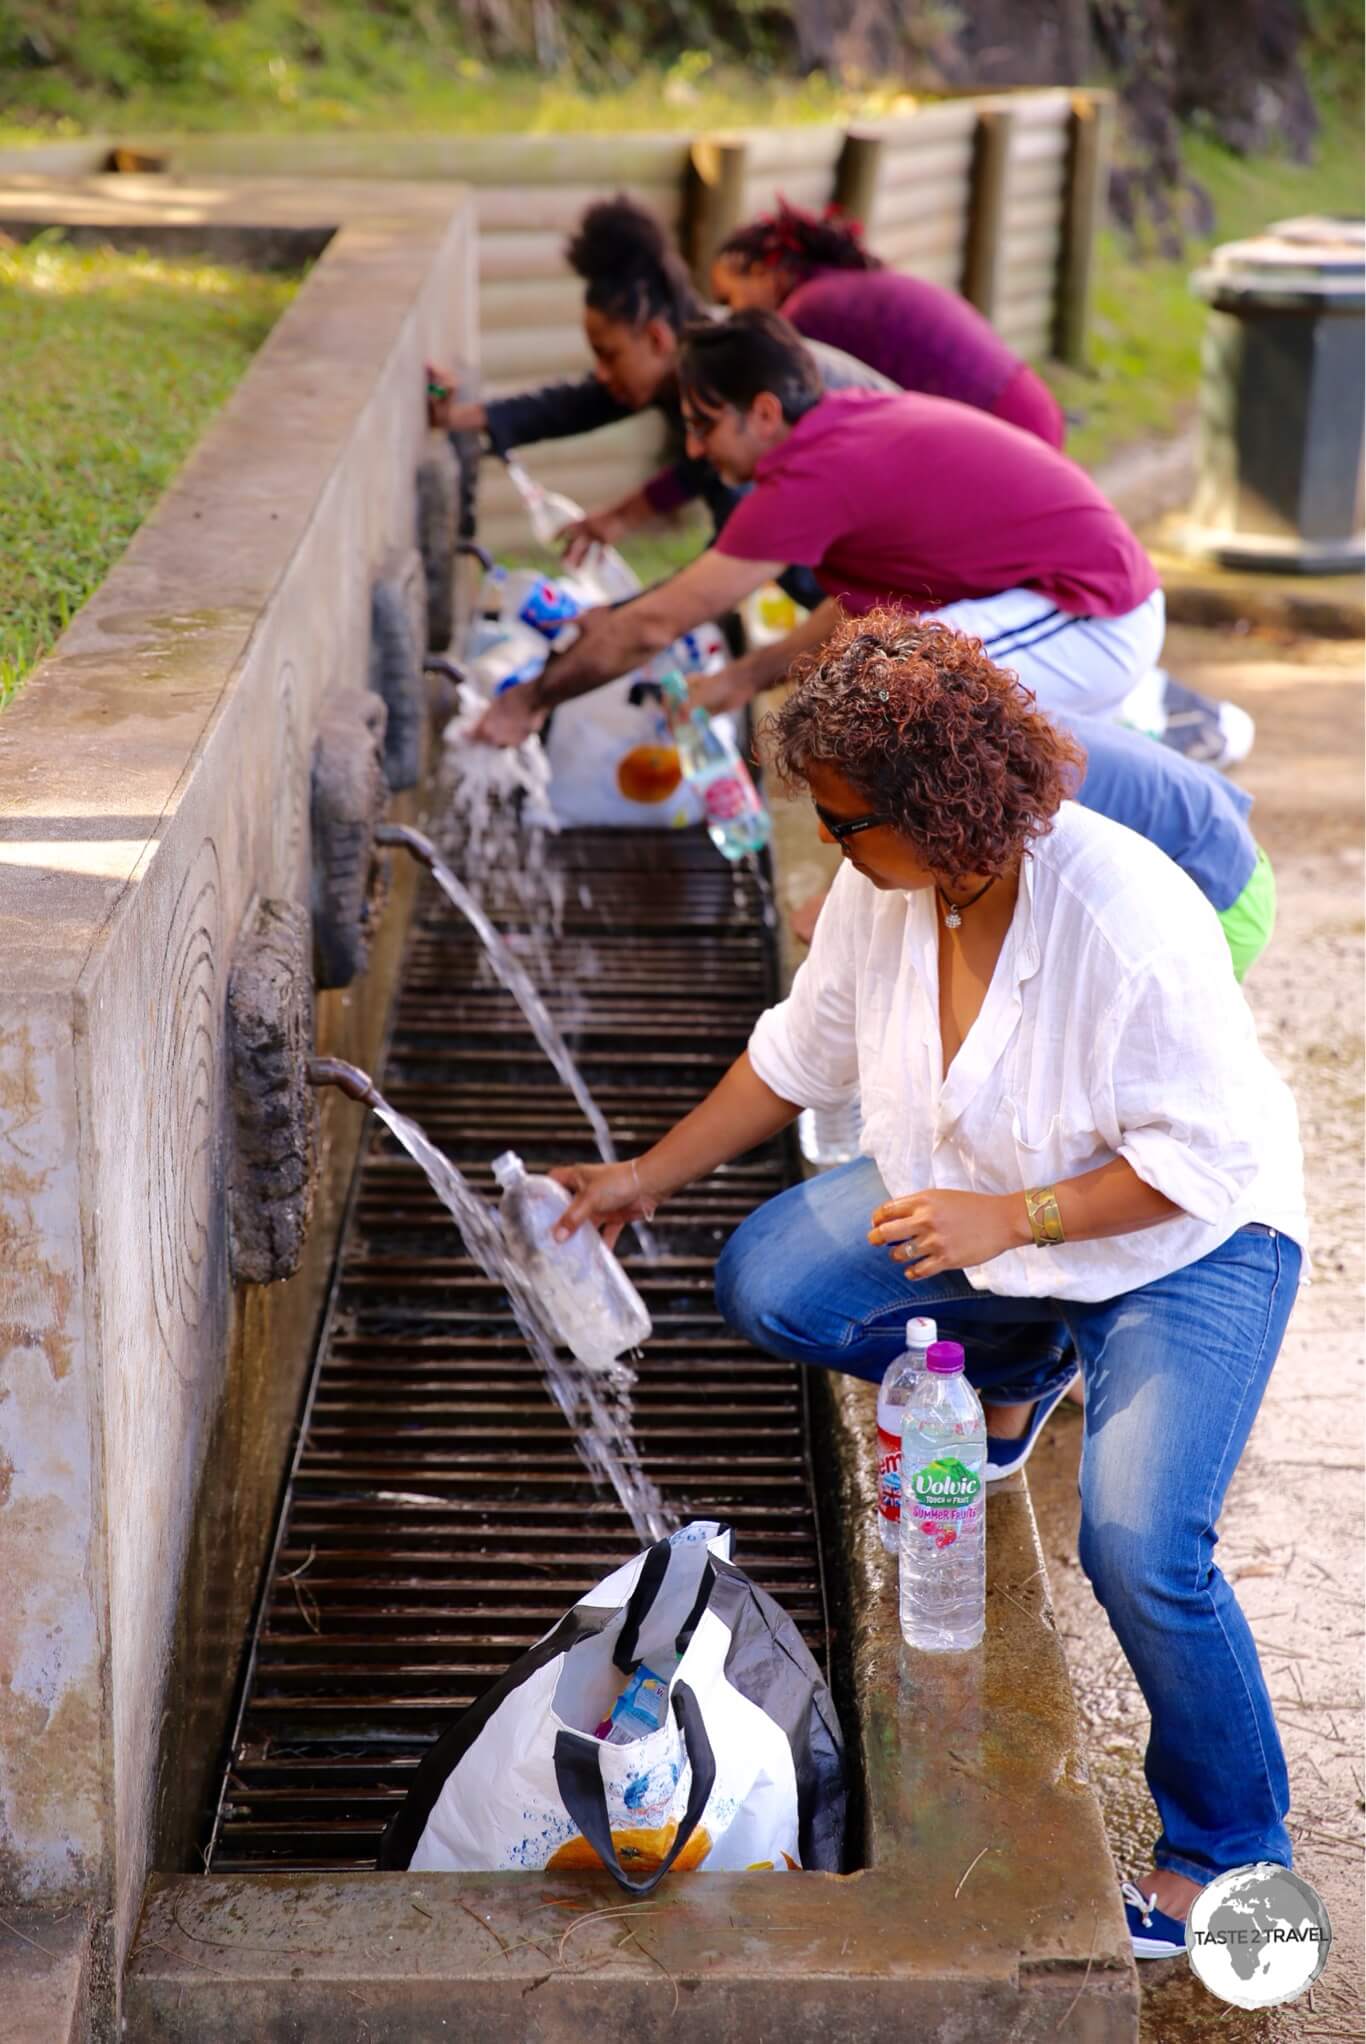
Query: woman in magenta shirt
{"x": 819, "y": 275}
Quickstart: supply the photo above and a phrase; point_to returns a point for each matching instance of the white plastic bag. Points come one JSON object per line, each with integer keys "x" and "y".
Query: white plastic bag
{"x": 744, "y": 1774}
{"x": 612, "y": 759}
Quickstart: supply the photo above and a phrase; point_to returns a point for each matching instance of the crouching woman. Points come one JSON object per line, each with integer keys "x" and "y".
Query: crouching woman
{"x": 1076, "y": 1158}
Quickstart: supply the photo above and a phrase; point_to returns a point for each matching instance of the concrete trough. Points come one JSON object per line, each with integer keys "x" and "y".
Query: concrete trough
{"x": 163, "y": 778}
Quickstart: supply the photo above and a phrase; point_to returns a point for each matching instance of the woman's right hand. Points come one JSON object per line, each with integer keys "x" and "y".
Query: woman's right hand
{"x": 607, "y": 1196}
{"x": 599, "y": 528}
{"x": 444, "y": 411}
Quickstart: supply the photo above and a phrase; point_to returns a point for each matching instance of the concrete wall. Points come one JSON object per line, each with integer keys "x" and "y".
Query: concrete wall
{"x": 153, "y": 786}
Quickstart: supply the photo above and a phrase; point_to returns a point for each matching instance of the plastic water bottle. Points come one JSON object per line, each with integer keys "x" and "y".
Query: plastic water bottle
{"x": 542, "y": 603}
{"x": 943, "y": 1507}
{"x": 736, "y": 818}
{"x": 831, "y": 1135}
{"x": 590, "y": 1301}
{"x": 901, "y": 1377}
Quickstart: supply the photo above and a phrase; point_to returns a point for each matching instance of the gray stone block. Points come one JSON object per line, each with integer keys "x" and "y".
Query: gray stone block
{"x": 438, "y": 484}
{"x": 398, "y": 634}
{"x": 274, "y": 1109}
{"x": 349, "y": 796}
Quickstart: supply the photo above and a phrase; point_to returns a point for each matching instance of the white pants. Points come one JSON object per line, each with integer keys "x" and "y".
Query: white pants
{"x": 1075, "y": 666}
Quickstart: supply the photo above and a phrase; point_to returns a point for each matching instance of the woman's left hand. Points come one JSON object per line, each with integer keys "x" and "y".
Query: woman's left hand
{"x": 937, "y": 1231}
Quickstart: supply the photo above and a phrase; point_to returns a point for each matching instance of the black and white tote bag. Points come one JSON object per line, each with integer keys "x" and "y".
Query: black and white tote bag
{"x": 744, "y": 1773}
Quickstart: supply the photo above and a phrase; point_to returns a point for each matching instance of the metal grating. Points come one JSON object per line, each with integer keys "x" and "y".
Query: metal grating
{"x": 439, "y": 1520}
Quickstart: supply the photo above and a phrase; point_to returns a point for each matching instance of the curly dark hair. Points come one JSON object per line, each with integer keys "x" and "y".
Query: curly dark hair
{"x": 632, "y": 270}
{"x": 937, "y": 738}
{"x": 801, "y": 242}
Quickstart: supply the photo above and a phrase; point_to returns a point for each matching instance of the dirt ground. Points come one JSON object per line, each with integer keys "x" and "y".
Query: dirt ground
{"x": 1298, "y": 1567}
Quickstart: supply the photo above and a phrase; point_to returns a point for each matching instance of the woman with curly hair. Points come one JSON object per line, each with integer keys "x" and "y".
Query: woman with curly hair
{"x": 816, "y": 271}
{"x": 1076, "y": 1158}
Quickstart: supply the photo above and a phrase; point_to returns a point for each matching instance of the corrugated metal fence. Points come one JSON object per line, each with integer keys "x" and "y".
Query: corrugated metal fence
{"x": 997, "y": 196}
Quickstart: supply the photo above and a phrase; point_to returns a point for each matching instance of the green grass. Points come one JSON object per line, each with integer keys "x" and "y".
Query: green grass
{"x": 1147, "y": 323}
{"x": 123, "y": 65}
{"x": 110, "y": 367}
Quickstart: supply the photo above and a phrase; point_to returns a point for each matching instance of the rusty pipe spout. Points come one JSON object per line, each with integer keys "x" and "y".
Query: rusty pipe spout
{"x": 410, "y": 840}
{"x": 334, "y": 1071}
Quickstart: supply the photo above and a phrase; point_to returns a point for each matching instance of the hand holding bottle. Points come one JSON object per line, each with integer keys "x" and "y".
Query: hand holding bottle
{"x": 607, "y": 1196}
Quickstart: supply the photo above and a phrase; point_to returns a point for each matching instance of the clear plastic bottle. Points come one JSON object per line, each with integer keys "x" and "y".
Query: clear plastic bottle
{"x": 736, "y": 817}
{"x": 943, "y": 1507}
{"x": 831, "y": 1135}
{"x": 587, "y": 1296}
{"x": 899, "y": 1380}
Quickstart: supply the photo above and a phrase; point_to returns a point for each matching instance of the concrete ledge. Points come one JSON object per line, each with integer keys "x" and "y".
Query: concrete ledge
{"x": 156, "y": 782}
{"x": 45, "y": 1964}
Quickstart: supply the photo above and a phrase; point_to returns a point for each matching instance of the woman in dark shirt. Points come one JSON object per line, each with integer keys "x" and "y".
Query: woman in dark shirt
{"x": 818, "y": 274}
{"x": 637, "y": 301}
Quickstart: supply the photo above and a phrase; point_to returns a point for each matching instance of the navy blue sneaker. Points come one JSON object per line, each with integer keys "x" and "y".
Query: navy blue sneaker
{"x": 1155, "y": 1935}
{"x": 1005, "y": 1457}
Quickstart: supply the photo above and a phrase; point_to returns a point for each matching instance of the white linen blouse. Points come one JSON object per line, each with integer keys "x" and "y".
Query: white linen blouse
{"x": 1112, "y": 1027}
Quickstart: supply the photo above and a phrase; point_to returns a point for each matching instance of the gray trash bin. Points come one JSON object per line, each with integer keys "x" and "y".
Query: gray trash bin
{"x": 1281, "y": 399}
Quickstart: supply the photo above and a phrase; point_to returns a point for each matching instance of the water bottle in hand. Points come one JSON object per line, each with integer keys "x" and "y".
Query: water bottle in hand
{"x": 900, "y": 1379}
{"x": 588, "y": 1298}
{"x": 943, "y": 1507}
{"x": 736, "y": 817}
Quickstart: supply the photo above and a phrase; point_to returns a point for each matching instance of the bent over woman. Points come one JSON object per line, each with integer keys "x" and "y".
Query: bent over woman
{"x": 818, "y": 274}
{"x": 1077, "y": 1158}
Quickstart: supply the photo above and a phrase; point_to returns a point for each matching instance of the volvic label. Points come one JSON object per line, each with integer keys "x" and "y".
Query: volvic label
{"x": 725, "y": 790}
{"x": 946, "y": 1482}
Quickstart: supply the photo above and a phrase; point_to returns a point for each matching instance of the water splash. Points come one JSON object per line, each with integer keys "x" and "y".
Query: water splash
{"x": 596, "y": 1404}
{"x": 513, "y": 975}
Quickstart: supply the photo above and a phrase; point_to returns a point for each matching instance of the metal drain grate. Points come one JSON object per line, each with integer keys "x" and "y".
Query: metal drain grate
{"x": 439, "y": 1520}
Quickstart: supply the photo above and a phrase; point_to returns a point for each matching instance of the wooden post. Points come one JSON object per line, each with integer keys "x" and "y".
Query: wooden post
{"x": 715, "y": 202}
{"x": 856, "y": 175}
{"x": 983, "y": 258}
{"x": 1083, "y": 216}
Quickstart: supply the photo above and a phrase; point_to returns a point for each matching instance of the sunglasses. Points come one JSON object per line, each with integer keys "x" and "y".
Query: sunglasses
{"x": 839, "y": 831}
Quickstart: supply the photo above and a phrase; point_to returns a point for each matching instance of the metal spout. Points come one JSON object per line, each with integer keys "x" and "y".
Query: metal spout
{"x": 437, "y": 663}
{"x": 480, "y": 554}
{"x": 410, "y": 840}
{"x": 334, "y": 1071}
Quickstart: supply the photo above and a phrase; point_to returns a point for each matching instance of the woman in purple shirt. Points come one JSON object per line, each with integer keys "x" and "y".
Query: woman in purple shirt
{"x": 818, "y": 274}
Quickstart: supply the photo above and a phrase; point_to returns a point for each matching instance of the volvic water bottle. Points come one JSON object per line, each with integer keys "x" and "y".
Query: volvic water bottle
{"x": 943, "y": 1507}
{"x": 736, "y": 818}
{"x": 587, "y": 1296}
{"x": 897, "y": 1384}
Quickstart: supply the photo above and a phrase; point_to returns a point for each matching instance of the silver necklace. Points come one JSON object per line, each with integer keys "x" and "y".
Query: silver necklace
{"x": 953, "y": 918}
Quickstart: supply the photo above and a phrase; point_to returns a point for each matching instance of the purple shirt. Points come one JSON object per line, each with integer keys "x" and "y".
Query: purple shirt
{"x": 924, "y": 337}
{"x": 917, "y": 501}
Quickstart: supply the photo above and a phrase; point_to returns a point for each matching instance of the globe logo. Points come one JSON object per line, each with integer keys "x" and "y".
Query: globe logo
{"x": 1258, "y": 1935}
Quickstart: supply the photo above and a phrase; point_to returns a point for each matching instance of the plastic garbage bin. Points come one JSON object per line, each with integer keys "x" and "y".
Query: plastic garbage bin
{"x": 1281, "y": 399}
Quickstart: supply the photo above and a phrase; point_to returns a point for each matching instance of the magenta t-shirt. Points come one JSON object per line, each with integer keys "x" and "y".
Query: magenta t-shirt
{"x": 920, "y": 502}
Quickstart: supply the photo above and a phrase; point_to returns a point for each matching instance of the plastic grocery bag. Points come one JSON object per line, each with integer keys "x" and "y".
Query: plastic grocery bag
{"x": 745, "y": 1771}
{"x": 612, "y": 759}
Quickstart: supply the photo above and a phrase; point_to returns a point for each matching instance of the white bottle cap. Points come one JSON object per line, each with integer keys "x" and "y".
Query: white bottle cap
{"x": 508, "y": 1168}
{"x": 920, "y": 1332}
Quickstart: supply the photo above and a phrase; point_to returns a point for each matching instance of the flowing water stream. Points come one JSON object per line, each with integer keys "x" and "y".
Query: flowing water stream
{"x": 513, "y": 975}
{"x": 596, "y": 1403}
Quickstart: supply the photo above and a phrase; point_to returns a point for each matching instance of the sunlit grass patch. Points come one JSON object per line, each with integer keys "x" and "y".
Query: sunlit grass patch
{"x": 111, "y": 364}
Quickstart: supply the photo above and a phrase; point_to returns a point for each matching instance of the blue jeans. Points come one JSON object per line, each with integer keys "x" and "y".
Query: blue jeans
{"x": 1174, "y": 1373}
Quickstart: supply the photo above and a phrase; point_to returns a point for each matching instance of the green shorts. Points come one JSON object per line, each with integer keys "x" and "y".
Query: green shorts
{"x": 1249, "y": 921}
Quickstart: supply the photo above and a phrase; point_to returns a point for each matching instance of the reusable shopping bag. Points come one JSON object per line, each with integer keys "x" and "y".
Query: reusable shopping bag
{"x": 744, "y": 1773}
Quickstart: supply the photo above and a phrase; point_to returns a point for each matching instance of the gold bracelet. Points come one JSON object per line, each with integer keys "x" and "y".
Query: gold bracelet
{"x": 1044, "y": 1219}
